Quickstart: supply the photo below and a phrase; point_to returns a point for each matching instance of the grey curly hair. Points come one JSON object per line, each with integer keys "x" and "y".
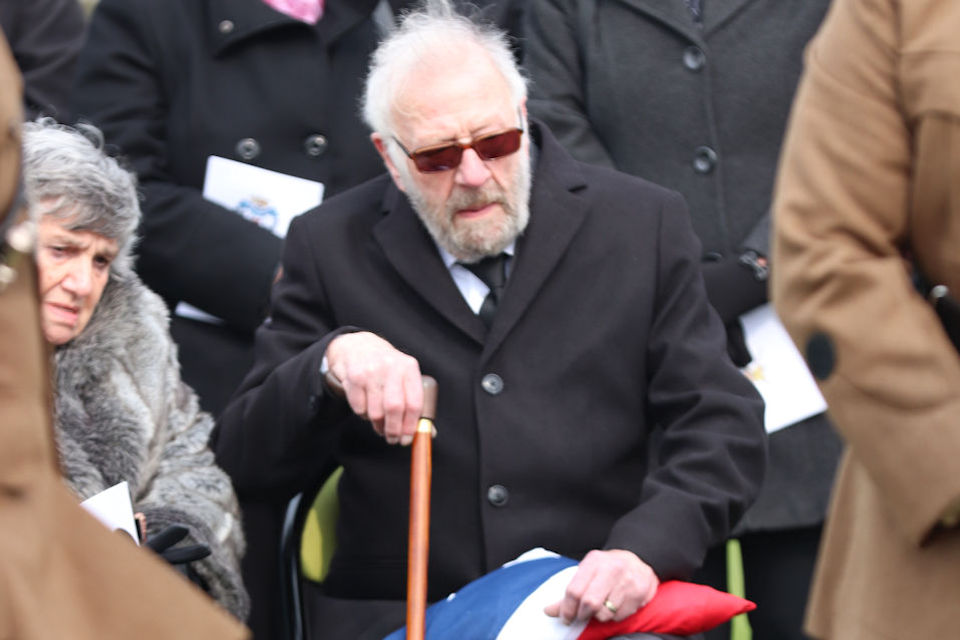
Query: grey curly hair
{"x": 67, "y": 175}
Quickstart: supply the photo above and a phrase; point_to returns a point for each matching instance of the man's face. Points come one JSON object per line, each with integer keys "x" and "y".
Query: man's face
{"x": 73, "y": 269}
{"x": 481, "y": 206}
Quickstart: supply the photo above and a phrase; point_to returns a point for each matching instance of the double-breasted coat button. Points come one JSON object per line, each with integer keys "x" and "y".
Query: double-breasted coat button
{"x": 694, "y": 58}
{"x": 712, "y": 256}
{"x": 315, "y": 145}
{"x": 226, "y": 26}
{"x": 704, "y": 159}
{"x": 497, "y": 495}
{"x": 248, "y": 148}
{"x": 492, "y": 384}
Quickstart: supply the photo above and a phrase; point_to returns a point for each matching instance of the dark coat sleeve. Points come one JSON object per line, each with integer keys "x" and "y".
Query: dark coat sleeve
{"x": 45, "y": 37}
{"x": 553, "y": 57}
{"x": 712, "y": 455}
{"x": 261, "y": 437}
{"x": 189, "y": 246}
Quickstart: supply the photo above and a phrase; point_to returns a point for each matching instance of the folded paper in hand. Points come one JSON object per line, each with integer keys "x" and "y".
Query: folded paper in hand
{"x": 113, "y": 508}
{"x": 778, "y": 371}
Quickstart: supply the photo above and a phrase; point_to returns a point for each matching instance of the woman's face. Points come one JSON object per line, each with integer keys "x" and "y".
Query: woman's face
{"x": 73, "y": 269}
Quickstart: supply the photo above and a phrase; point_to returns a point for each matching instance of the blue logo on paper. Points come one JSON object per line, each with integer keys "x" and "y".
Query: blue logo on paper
{"x": 258, "y": 210}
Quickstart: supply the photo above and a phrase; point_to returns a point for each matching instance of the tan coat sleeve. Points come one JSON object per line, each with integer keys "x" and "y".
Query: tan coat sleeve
{"x": 62, "y": 574}
{"x": 845, "y": 215}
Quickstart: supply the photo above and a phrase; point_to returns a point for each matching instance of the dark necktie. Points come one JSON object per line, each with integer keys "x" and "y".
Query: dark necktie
{"x": 492, "y": 270}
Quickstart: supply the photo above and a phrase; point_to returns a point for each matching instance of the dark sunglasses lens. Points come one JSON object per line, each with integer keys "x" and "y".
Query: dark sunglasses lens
{"x": 498, "y": 145}
{"x": 438, "y": 158}
{"x": 448, "y": 157}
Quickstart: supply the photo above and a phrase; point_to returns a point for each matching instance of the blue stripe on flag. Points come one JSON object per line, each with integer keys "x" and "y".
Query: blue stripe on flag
{"x": 480, "y": 609}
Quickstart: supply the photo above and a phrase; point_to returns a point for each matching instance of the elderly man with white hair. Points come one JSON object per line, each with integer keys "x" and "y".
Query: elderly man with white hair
{"x": 554, "y": 366}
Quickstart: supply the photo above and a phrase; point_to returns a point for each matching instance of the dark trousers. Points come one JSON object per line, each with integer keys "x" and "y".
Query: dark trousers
{"x": 777, "y": 566}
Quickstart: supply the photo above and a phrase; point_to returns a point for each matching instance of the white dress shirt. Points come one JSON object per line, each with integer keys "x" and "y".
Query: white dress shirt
{"x": 472, "y": 288}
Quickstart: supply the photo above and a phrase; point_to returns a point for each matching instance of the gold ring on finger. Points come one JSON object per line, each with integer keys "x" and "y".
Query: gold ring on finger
{"x": 612, "y": 608}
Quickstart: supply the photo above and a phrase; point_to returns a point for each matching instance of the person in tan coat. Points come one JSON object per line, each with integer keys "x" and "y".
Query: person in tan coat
{"x": 868, "y": 197}
{"x": 62, "y": 574}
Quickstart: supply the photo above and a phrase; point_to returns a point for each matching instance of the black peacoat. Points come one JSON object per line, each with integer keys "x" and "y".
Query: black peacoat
{"x": 172, "y": 82}
{"x": 603, "y": 331}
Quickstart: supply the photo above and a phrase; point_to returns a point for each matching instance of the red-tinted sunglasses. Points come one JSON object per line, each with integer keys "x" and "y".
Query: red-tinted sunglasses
{"x": 446, "y": 156}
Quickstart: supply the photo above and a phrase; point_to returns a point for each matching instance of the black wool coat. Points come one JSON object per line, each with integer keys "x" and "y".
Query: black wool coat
{"x": 603, "y": 331}
{"x": 172, "y": 82}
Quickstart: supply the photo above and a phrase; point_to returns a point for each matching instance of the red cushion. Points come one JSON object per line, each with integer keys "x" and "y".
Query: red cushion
{"x": 679, "y": 608}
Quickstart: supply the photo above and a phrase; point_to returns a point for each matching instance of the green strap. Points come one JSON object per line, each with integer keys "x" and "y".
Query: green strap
{"x": 739, "y": 626}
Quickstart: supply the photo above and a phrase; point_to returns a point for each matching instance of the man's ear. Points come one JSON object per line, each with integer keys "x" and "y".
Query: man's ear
{"x": 381, "y": 147}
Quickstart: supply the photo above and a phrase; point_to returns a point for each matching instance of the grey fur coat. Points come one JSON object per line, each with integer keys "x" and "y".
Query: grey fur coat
{"x": 123, "y": 413}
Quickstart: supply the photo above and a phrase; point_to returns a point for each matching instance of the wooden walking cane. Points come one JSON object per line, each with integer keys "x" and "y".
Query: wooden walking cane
{"x": 418, "y": 544}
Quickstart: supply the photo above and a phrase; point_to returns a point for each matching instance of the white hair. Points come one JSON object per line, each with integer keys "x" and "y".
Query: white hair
{"x": 67, "y": 169}
{"x": 430, "y": 34}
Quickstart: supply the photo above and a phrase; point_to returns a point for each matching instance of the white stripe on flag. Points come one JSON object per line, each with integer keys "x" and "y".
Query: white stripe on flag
{"x": 529, "y": 622}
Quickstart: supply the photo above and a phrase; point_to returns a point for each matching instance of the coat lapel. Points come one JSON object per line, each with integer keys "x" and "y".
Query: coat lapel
{"x": 232, "y": 21}
{"x": 717, "y": 12}
{"x": 674, "y": 14}
{"x": 413, "y": 253}
{"x": 556, "y": 213}
{"x": 339, "y": 17}
{"x": 671, "y": 13}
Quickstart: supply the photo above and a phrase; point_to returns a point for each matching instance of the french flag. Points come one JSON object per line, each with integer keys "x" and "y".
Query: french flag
{"x": 508, "y": 603}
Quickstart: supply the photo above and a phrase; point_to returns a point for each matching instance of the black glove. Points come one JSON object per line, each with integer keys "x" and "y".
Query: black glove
{"x": 732, "y": 288}
{"x": 162, "y": 542}
{"x": 737, "y": 345}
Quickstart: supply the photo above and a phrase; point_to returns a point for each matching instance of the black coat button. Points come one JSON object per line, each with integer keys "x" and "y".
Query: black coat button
{"x": 497, "y": 495}
{"x": 704, "y": 159}
{"x": 712, "y": 256}
{"x": 248, "y": 148}
{"x": 492, "y": 384}
{"x": 694, "y": 58}
{"x": 315, "y": 145}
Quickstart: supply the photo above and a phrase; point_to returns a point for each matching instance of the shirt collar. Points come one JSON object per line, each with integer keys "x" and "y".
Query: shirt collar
{"x": 449, "y": 260}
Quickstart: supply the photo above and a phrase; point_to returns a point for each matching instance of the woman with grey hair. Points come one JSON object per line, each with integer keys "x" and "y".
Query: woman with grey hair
{"x": 122, "y": 413}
